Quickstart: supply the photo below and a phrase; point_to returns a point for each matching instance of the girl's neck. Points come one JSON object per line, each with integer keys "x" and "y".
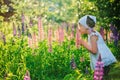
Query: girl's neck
{"x": 90, "y": 31}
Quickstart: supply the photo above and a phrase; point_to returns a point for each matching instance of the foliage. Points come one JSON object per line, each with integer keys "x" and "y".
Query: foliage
{"x": 18, "y": 57}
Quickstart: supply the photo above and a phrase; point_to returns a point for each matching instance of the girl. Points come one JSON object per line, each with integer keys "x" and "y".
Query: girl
{"x": 95, "y": 44}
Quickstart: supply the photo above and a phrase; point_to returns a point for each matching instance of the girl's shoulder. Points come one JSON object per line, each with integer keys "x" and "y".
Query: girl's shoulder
{"x": 94, "y": 33}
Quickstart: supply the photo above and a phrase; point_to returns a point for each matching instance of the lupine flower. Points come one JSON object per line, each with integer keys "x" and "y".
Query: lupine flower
{"x": 115, "y": 34}
{"x": 56, "y": 35}
{"x": 19, "y": 32}
{"x": 111, "y": 36}
{"x": 40, "y": 29}
{"x": 72, "y": 35}
{"x": 111, "y": 26}
{"x": 23, "y": 18}
{"x": 81, "y": 59}
{"x": 99, "y": 71}
{"x": 102, "y": 31}
{"x": 14, "y": 30}
{"x": 34, "y": 38}
{"x": 27, "y": 76}
{"x": 31, "y": 22}
{"x": 23, "y": 28}
{"x": 86, "y": 70}
{"x": 119, "y": 36}
{"x": 50, "y": 48}
{"x": 72, "y": 63}
{"x": 50, "y": 39}
{"x": 77, "y": 39}
{"x": 61, "y": 35}
{"x": 29, "y": 40}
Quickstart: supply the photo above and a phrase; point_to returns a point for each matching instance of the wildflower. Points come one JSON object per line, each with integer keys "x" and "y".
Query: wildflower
{"x": 19, "y": 32}
{"x": 29, "y": 40}
{"x": 81, "y": 59}
{"x": 27, "y": 76}
{"x": 77, "y": 39}
{"x": 102, "y": 31}
{"x": 23, "y": 28}
{"x": 86, "y": 70}
{"x": 40, "y": 29}
{"x": 72, "y": 63}
{"x": 23, "y": 18}
{"x": 99, "y": 72}
{"x": 14, "y": 30}
{"x": 34, "y": 38}
{"x": 50, "y": 39}
{"x": 31, "y": 23}
{"x": 61, "y": 35}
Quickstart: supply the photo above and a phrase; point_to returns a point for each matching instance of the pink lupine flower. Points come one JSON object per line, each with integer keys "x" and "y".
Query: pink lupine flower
{"x": 34, "y": 40}
{"x": 72, "y": 32}
{"x": 99, "y": 71}
{"x": 72, "y": 35}
{"x": 27, "y": 76}
{"x": 30, "y": 40}
{"x": 23, "y": 18}
{"x": 77, "y": 39}
{"x": 59, "y": 38}
{"x": 50, "y": 48}
{"x": 61, "y": 35}
{"x": 40, "y": 30}
{"x": 14, "y": 30}
{"x": 50, "y": 39}
{"x": 56, "y": 35}
{"x": 49, "y": 35}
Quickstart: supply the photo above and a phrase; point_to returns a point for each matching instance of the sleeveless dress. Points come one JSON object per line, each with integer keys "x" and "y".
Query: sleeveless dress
{"x": 106, "y": 55}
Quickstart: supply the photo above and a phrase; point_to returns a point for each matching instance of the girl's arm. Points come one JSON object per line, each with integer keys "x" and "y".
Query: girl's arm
{"x": 93, "y": 47}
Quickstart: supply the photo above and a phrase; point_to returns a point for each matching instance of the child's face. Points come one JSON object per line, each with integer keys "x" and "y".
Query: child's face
{"x": 82, "y": 29}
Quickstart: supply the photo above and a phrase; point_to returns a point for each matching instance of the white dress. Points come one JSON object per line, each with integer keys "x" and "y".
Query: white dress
{"x": 106, "y": 55}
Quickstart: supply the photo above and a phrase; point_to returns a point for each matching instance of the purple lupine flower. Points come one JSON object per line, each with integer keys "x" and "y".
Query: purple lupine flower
{"x": 27, "y": 76}
{"x": 72, "y": 63}
{"x": 14, "y": 30}
{"x": 111, "y": 27}
{"x": 115, "y": 34}
{"x": 99, "y": 71}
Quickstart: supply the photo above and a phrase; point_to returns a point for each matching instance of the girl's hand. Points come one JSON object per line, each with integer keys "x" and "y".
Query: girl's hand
{"x": 81, "y": 41}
